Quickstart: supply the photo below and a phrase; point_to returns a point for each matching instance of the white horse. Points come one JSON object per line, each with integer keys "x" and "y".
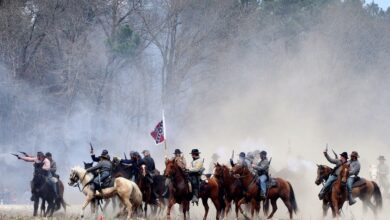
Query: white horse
{"x": 127, "y": 191}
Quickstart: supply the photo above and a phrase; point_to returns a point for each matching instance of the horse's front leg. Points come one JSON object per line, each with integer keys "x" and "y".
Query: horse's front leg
{"x": 86, "y": 202}
{"x": 171, "y": 202}
{"x": 36, "y": 204}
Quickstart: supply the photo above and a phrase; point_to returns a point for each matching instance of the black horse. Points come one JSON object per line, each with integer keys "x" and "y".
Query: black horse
{"x": 44, "y": 191}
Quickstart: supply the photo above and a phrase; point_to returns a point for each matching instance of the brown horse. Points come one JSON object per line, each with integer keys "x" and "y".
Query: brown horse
{"x": 339, "y": 191}
{"x": 229, "y": 186}
{"x": 146, "y": 186}
{"x": 364, "y": 190}
{"x": 179, "y": 191}
{"x": 210, "y": 189}
{"x": 282, "y": 189}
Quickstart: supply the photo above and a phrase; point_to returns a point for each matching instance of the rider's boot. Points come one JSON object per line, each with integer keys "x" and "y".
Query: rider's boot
{"x": 195, "y": 196}
{"x": 321, "y": 194}
{"x": 351, "y": 199}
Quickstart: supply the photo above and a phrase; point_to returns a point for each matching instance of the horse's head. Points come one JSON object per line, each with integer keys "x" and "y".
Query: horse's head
{"x": 170, "y": 168}
{"x": 74, "y": 176}
{"x": 323, "y": 173}
{"x": 143, "y": 170}
{"x": 39, "y": 178}
{"x": 116, "y": 162}
{"x": 218, "y": 170}
{"x": 344, "y": 173}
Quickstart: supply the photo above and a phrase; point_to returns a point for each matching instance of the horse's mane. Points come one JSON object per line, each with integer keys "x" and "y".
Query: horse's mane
{"x": 79, "y": 169}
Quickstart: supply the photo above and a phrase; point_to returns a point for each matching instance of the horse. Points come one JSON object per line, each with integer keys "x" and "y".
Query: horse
{"x": 210, "y": 189}
{"x": 179, "y": 190}
{"x": 44, "y": 191}
{"x": 282, "y": 189}
{"x": 362, "y": 189}
{"x": 145, "y": 183}
{"x": 229, "y": 186}
{"x": 127, "y": 191}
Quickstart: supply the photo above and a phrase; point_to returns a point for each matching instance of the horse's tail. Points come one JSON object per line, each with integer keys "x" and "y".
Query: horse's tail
{"x": 293, "y": 201}
{"x": 377, "y": 195}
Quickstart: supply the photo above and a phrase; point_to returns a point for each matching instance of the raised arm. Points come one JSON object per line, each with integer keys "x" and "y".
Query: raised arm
{"x": 29, "y": 159}
{"x": 331, "y": 160}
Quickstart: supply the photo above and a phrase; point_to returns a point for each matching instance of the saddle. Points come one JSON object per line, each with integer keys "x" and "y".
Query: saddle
{"x": 272, "y": 183}
{"x": 358, "y": 182}
{"x": 107, "y": 183}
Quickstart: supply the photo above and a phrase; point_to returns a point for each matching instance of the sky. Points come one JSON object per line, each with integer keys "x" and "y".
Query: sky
{"x": 384, "y": 4}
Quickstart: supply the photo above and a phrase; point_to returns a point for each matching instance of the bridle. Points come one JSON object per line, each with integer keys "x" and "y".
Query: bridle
{"x": 75, "y": 180}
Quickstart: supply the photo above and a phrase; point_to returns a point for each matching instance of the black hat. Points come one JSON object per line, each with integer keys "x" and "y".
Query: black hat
{"x": 195, "y": 151}
{"x": 381, "y": 157}
{"x": 242, "y": 154}
{"x": 40, "y": 154}
{"x": 263, "y": 152}
{"x": 48, "y": 154}
{"x": 177, "y": 151}
{"x": 344, "y": 154}
{"x": 104, "y": 152}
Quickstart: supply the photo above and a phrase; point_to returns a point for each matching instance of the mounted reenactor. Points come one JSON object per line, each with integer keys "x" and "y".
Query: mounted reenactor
{"x": 97, "y": 159}
{"x": 149, "y": 162}
{"x": 262, "y": 169}
{"x": 336, "y": 171}
{"x": 195, "y": 171}
{"x": 53, "y": 170}
{"x": 383, "y": 174}
{"x": 180, "y": 160}
{"x": 242, "y": 160}
{"x": 102, "y": 172}
{"x": 134, "y": 164}
{"x": 41, "y": 165}
{"x": 354, "y": 169}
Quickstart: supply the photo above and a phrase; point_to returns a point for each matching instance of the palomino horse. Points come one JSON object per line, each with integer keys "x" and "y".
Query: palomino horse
{"x": 282, "y": 189}
{"x": 229, "y": 186}
{"x": 211, "y": 189}
{"x": 179, "y": 191}
{"x": 365, "y": 190}
{"x": 127, "y": 191}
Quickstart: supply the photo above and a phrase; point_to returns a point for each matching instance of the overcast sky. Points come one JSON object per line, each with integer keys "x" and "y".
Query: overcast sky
{"x": 382, "y": 3}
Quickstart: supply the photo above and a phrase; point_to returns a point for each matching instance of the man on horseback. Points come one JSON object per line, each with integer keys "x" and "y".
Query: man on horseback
{"x": 262, "y": 170}
{"x": 383, "y": 173}
{"x": 41, "y": 164}
{"x": 336, "y": 171}
{"x": 151, "y": 170}
{"x": 97, "y": 159}
{"x": 53, "y": 170}
{"x": 195, "y": 171}
{"x": 242, "y": 161}
{"x": 180, "y": 160}
{"x": 101, "y": 171}
{"x": 354, "y": 169}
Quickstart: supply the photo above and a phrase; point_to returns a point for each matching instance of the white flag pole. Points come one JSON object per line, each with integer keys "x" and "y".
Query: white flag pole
{"x": 165, "y": 135}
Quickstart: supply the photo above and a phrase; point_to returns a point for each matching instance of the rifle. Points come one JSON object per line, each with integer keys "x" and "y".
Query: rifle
{"x": 91, "y": 150}
{"x": 17, "y": 156}
{"x": 24, "y": 153}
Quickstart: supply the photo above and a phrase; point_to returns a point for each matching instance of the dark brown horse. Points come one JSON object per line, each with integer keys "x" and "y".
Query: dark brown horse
{"x": 179, "y": 191}
{"x": 145, "y": 183}
{"x": 282, "y": 189}
{"x": 210, "y": 189}
{"x": 229, "y": 187}
{"x": 363, "y": 189}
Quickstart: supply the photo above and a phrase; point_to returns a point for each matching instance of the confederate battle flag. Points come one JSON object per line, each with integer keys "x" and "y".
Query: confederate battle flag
{"x": 158, "y": 133}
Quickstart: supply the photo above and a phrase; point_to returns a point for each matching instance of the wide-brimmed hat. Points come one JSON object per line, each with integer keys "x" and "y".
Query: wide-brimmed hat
{"x": 354, "y": 154}
{"x": 263, "y": 152}
{"x": 381, "y": 157}
{"x": 40, "y": 154}
{"x": 195, "y": 151}
{"x": 177, "y": 151}
{"x": 344, "y": 154}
